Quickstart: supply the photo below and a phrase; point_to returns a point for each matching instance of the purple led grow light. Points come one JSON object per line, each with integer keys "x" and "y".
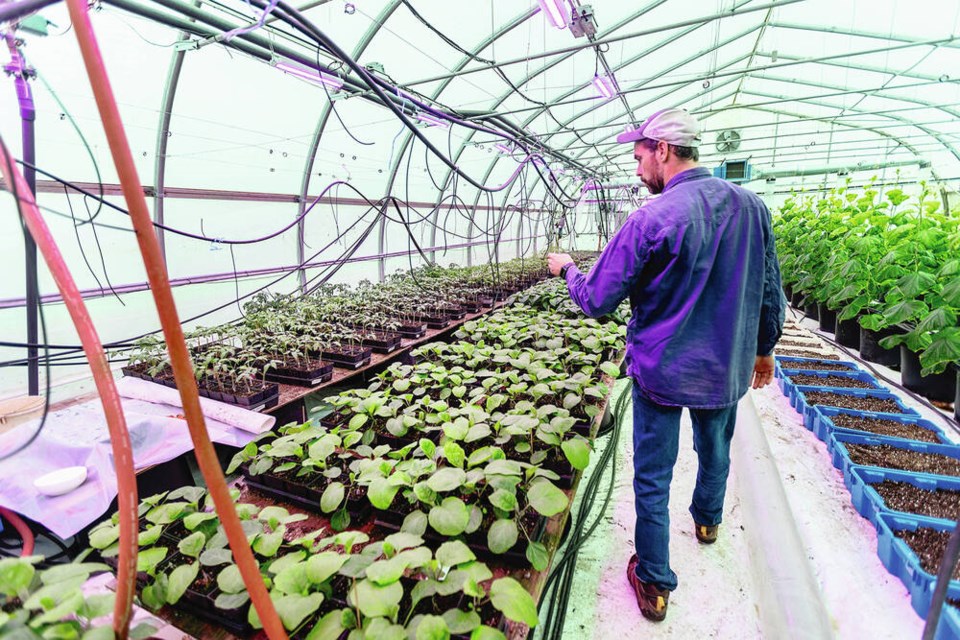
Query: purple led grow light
{"x": 312, "y": 75}
{"x": 556, "y": 11}
{"x": 604, "y": 86}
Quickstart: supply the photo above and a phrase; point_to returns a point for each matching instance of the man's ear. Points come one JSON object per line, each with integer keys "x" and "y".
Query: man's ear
{"x": 663, "y": 151}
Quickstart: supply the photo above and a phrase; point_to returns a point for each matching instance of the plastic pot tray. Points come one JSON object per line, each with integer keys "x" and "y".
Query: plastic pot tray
{"x": 840, "y": 456}
{"x": 801, "y": 364}
{"x": 901, "y": 561}
{"x": 301, "y": 378}
{"x": 788, "y": 386}
{"x": 870, "y": 504}
{"x": 809, "y": 412}
{"x": 823, "y": 424}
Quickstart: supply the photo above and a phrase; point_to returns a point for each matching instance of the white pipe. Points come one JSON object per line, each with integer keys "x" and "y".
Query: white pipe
{"x": 787, "y": 596}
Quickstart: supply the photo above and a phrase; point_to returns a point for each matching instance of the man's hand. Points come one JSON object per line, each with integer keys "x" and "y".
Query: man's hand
{"x": 763, "y": 371}
{"x": 555, "y": 262}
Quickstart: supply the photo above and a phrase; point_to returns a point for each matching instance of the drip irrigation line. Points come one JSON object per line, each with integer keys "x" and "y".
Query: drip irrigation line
{"x": 561, "y": 578}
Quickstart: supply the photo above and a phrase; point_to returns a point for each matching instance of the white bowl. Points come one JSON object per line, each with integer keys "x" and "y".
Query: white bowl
{"x": 61, "y": 481}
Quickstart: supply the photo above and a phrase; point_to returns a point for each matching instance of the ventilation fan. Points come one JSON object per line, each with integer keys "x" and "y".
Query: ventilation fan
{"x": 728, "y": 140}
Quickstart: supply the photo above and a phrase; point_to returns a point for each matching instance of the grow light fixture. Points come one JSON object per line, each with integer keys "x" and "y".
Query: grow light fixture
{"x": 503, "y": 148}
{"x": 556, "y": 12}
{"x": 604, "y": 86}
{"x": 311, "y": 75}
{"x": 431, "y": 120}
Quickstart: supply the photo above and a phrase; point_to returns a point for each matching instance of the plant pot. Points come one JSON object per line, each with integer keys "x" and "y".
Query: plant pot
{"x": 848, "y": 332}
{"x": 956, "y": 398}
{"x": 827, "y": 317}
{"x": 788, "y": 291}
{"x": 796, "y": 299}
{"x": 871, "y": 351}
{"x": 939, "y": 386}
{"x": 810, "y": 310}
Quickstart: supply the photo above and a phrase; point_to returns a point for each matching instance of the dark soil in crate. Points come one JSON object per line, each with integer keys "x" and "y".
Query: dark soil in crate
{"x": 895, "y": 458}
{"x": 829, "y": 381}
{"x": 814, "y": 366}
{"x": 929, "y": 545}
{"x": 903, "y": 496}
{"x": 883, "y": 427}
{"x": 803, "y": 353}
{"x": 876, "y": 405}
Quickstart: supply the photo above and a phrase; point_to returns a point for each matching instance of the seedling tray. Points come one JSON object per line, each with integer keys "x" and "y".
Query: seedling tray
{"x": 900, "y": 560}
{"x": 301, "y": 378}
{"x": 832, "y": 379}
{"x": 268, "y": 397}
{"x": 516, "y": 556}
{"x": 389, "y": 344}
{"x": 349, "y": 360}
{"x": 412, "y": 330}
{"x": 300, "y": 494}
{"x": 811, "y": 364}
{"x": 808, "y": 410}
{"x": 869, "y": 503}
{"x": 840, "y": 452}
{"x": 828, "y": 419}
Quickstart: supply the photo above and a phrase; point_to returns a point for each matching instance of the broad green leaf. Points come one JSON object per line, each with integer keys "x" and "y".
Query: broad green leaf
{"x": 147, "y": 560}
{"x": 610, "y": 369}
{"x": 214, "y": 557}
{"x": 454, "y": 552}
{"x": 450, "y": 518}
{"x": 428, "y": 447}
{"x": 229, "y": 601}
{"x": 415, "y": 523}
{"x": 229, "y": 580}
{"x": 546, "y": 498}
{"x": 461, "y": 622}
{"x": 402, "y": 540}
{"x": 384, "y": 572}
{"x": 332, "y": 497}
{"x": 181, "y": 578}
{"x": 15, "y": 576}
{"x": 286, "y": 560}
{"x": 150, "y": 536}
{"x": 446, "y": 479}
{"x": 375, "y": 601}
{"x": 502, "y": 535}
{"x": 330, "y": 626}
{"x": 194, "y": 520}
{"x": 321, "y": 566}
{"x": 432, "y": 628}
{"x": 292, "y": 579}
{"x": 571, "y": 400}
{"x": 192, "y": 545}
{"x": 577, "y": 451}
{"x": 293, "y": 609}
{"x": 58, "y": 573}
{"x": 537, "y": 555}
{"x": 487, "y": 633}
{"x": 503, "y": 500}
{"x": 103, "y": 537}
{"x": 510, "y": 598}
{"x": 267, "y": 544}
{"x": 381, "y": 493}
{"x": 357, "y": 421}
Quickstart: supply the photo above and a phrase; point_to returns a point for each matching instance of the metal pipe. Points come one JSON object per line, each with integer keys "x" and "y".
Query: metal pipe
{"x": 816, "y": 171}
{"x": 11, "y": 303}
{"x": 17, "y": 10}
{"x": 20, "y": 74}
{"x": 160, "y": 167}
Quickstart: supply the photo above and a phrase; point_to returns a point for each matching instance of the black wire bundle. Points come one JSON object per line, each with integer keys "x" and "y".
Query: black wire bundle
{"x": 555, "y": 598}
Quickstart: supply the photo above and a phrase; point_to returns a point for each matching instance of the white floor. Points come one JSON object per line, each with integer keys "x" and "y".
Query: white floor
{"x": 715, "y": 597}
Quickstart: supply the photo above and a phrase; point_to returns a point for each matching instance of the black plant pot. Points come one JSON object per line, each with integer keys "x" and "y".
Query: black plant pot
{"x": 939, "y": 386}
{"x": 788, "y": 291}
{"x": 796, "y": 299}
{"x": 810, "y": 310}
{"x": 956, "y": 398}
{"x": 871, "y": 351}
{"x": 848, "y": 332}
{"x": 828, "y": 318}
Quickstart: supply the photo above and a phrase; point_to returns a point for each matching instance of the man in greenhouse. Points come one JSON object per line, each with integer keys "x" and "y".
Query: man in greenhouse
{"x": 699, "y": 266}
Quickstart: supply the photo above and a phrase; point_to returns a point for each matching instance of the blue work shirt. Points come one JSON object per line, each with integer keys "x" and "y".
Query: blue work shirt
{"x": 700, "y": 267}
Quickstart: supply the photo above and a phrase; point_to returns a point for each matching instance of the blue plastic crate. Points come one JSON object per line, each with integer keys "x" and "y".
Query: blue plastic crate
{"x": 869, "y": 503}
{"x": 793, "y": 362}
{"x": 823, "y": 424}
{"x": 841, "y": 456}
{"x": 901, "y": 561}
{"x": 949, "y": 627}
{"x": 808, "y": 411}
{"x": 789, "y": 386}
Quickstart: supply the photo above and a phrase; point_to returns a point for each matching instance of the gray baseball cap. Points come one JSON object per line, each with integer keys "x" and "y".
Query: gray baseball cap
{"x": 673, "y": 126}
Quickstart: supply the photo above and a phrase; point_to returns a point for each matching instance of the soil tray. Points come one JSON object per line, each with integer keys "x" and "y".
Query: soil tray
{"x": 903, "y": 496}
{"x": 890, "y": 457}
{"x": 300, "y": 377}
{"x": 803, "y": 353}
{"x": 412, "y": 330}
{"x": 836, "y": 381}
{"x": 349, "y": 358}
{"x": 875, "y": 405}
{"x": 303, "y": 495}
{"x": 815, "y": 366}
{"x": 884, "y": 427}
{"x": 929, "y": 545}
{"x": 799, "y": 343}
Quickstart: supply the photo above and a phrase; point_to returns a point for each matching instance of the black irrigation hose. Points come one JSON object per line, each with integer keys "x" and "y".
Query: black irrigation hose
{"x": 947, "y": 564}
{"x": 561, "y": 578}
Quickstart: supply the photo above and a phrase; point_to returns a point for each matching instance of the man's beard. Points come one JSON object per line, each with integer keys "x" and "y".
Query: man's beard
{"x": 654, "y": 184}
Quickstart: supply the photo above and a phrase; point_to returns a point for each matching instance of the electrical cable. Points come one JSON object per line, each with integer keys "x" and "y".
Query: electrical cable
{"x": 106, "y": 387}
{"x": 21, "y": 527}
{"x": 944, "y": 576}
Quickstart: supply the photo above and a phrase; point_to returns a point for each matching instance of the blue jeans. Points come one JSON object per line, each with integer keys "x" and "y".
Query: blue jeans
{"x": 656, "y": 435}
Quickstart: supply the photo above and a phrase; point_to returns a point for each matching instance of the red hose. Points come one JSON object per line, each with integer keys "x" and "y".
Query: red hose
{"x": 106, "y": 388}
{"x": 25, "y": 533}
{"x": 170, "y": 321}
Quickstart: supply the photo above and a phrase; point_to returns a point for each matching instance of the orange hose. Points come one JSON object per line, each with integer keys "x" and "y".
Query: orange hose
{"x": 170, "y": 321}
{"x": 25, "y": 533}
{"x": 106, "y": 388}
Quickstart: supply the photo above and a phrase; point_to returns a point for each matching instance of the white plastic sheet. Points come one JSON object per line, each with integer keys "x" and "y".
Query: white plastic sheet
{"x": 78, "y": 435}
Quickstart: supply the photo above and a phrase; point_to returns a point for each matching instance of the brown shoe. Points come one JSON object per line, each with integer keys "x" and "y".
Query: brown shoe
{"x": 651, "y": 599}
{"x": 706, "y": 534}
